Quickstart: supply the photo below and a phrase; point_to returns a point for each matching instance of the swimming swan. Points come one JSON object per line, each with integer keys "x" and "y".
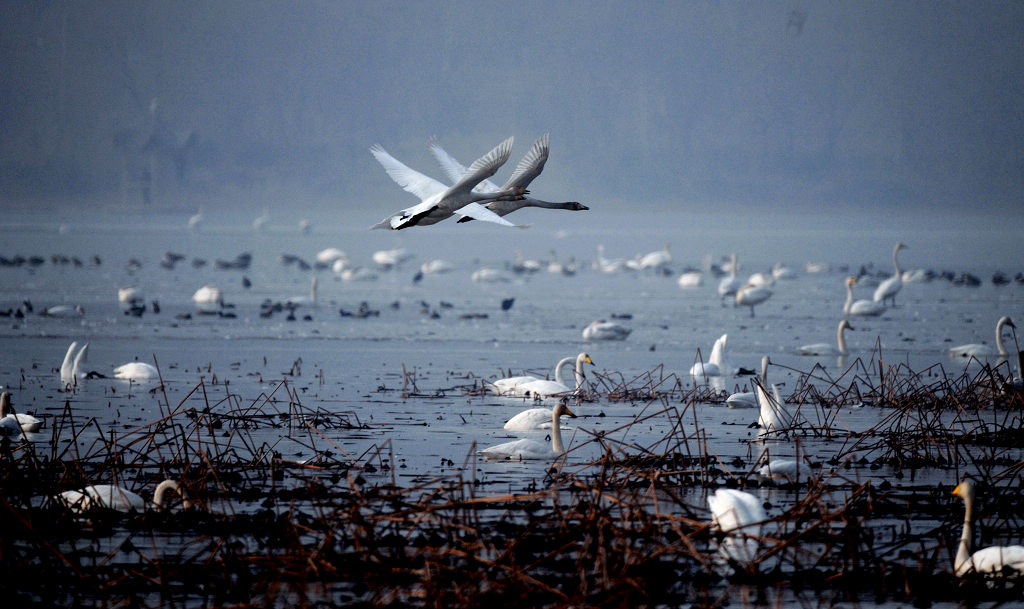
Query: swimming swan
{"x": 11, "y": 421}
{"x": 827, "y": 349}
{"x": 111, "y": 497}
{"x": 543, "y": 388}
{"x": 69, "y": 367}
{"x": 136, "y": 371}
{"x": 717, "y": 364}
{"x": 739, "y": 515}
{"x": 863, "y": 308}
{"x": 993, "y": 560}
{"x": 728, "y": 286}
{"x": 979, "y": 350}
{"x": 458, "y": 198}
{"x": 507, "y": 386}
{"x": 605, "y": 330}
{"x": 529, "y": 448}
{"x": 774, "y": 417}
{"x": 891, "y": 286}
{"x": 748, "y": 399}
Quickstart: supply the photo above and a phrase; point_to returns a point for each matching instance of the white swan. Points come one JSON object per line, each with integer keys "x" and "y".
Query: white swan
{"x": 64, "y": 311}
{"x": 196, "y": 220}
{"x": 729, "y": 285}
{"x": 487, "y": 274}
{"x": 608, "y": 265}
{"x": 890, "y": 287}
{"x": 774, "y": 417}
{"x": 656, "y": 260}
{"x": 436, "y": 266}
{"x": 827, "y": 349}
{"x": 690, "y": 279}
{"x": 136, "y": 371}
{"x": 781, "y": 271}
{"x": 739, "y": 515}
{"x": 780, "y": 470}
{"x": 69, "y": 367}
{"x": 528, "y": 169}
{"x": 11, "y": 421}
{"x": 543, "y": 388}
{"x": 131, "y": 297}
{"x": 112, "y": 497}
{"x": 717, "y": 364}
{"x": 328, "y": 255}
{"x": 304, "y": 301}
{"x": 507, "y": 385}
{"x": 993, "y": 560}
{"x": 751, "y": 295}
{"x": 980, "y": 350}
{"x": 387, "y": 259}
{"x": 530, "y": 419}
{"x": 529, "y": 448}
{"x": 439, "y": 201}
{"x": 863, "y": 308}
{"x": 748, "y": 399}
{"x": 208, "y": 299}
{"x": 605, "y": 330}
{"x": 261, "y": 221}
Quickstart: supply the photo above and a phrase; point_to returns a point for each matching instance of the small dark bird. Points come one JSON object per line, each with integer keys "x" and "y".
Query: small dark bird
{"x": 507, "y": 303}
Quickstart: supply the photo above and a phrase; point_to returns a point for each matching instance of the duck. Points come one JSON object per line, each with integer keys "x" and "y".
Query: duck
{"x": 750, "y": 295}
{"x": 529, "y": 448}
{"x": 739, "y": 515}
{"x": 120, "y": 499}
{"x": 982, "y": 350}
{"x": 605, "y": 330}
{"x": 748, "y": 399}
{"x": 543, "y": 388}
{"x": 861, "y": 308}
{"x": 11, "y": 421}
{"x": 136, "y": 371}
{"x": 717, "y": 364}
{"x": 990, "y": 561}
{"x": 827, "y": 349}
{"x": 888, "y": 289}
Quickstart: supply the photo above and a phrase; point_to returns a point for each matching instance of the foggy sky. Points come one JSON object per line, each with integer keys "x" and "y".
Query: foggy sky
{"x": 850, "y": 104}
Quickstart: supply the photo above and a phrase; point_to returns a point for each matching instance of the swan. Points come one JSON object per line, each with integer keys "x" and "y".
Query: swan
{"x": 774, "y": 417}
{"x": 608, "y": 265}
{"x": 717, "y": 364}
{"x": 981, "y": 350}
{"x": 543, "y": 388}
{"x": 780, "y": 470}
{"x": 388, "y": 259}
{"x": 827, "y": 349}
{"x": 739, "y": 515}
{"x": 656, "y": 260}
{"x": 529, "y": 448}
{"x": 439, "y": 201}
{"x": 112, "y": 497}
{"x": 11, "y": 421}
{"x": 528, "y": 169}
{"x": 993, "y": 560}
{"x": 131, "y": 297}
{"x": 751, "y": 295}
{"x": 729, "y": 285}
{"x": 488, "y": 274}
{"x": 781, "y": 271}
{"x": 530, "y": 419}
{"x": 605, "y": 330}
{"x": 304, "y": 301}
{"x": 69, "y": 367}
{"x": 765, "y": 280}
{"x": 136, "y": 371}
{"x": 863, "y": 308}
{"x": 507, "y": 385}
{"x": 891, "y": 286}
{"x": 328, "y": 255}
{"x": 690, "y": 279}
{"x": 63, "y": 311}
{"x": 436, "y": 266}
{"x": 261, "y": 221}
{"x": 748, "y": 399}
{"x": 196, "y": 220}
{"x": 208, "y": 299}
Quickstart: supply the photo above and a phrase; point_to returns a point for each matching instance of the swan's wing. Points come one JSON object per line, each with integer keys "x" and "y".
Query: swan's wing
{"x": 410, "y": 216}
{"x": 410, "y": 180}
{"x": 455, "y": 170}
{"x": 484, "y": 167}
{"x": 531, "y": 165}
{"x": 479, "y": 212}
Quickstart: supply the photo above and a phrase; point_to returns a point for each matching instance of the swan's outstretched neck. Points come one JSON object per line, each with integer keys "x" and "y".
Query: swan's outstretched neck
{"x": 841, "y": 336}
{"x": 962, "y": 562}
{"x": 1003, "y": 321}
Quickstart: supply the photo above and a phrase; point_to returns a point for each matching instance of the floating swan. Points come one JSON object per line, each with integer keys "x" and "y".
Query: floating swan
{"x": 507, "y": 386}
{"x": 748, "y": 399}
{"x": 781, "y": 271}
{"x": 528, "y": 169}
{"x": 531, "y": 419}
{"x": 605, "y": 330}
{"x": 774, "y": 417}
{"x": 111, "y": 497}
{"x": 780, "y": 470}
{"x": 439, "y": 201}
{"x": 739, "y": 515}
{"x": 304, "y": 301}
{"x": 827, "y": 349}
{"x": 327, "y": 256}
{"x": 543, "y": 388}
{"x": 890, "y": 287}
{"x": 993, "y": 560}
{"x": 388, "y": 259}
{"x": 436, "y": 266}
{"x": 980, "y": 350}
{"x": 63, "y": 311}
{"x": 717, "y": 364}
{"x": 11, "y": 421}
{"x": 751, "y": 295}
{"x": 608, "y": 265}
{"x": 728, "y": 286}
{"x": 69, "y": 367}
{"x": 208, "y": 299}
{"x": 136, "y": 371}
{"x": 529, "y": 448}
{"x": 690, "y": 279}
{"x": 656, "y": 260}
{"x": 863, "y": 308}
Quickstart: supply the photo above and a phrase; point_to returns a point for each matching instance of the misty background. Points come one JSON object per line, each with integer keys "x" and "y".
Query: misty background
{"x": 650, "y": 105}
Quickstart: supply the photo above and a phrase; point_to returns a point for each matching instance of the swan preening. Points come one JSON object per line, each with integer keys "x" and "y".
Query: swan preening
{"x": 980, "y": 350}
{"x": 13, "y": 422}
{"x": 864, "y": 308}
{"x": 440, "y": 202}
{"x": 888, "y": 289}
{"x": 739, "y": 515}
{"x": 112, "y": 497}
{"x": 533, "y": 387}
{"x": 827, "y": 349}
{"x": 993, "y": 560}
{"x": 605, "y": 330}
{"x": 717, "y": 364}
{"x": 529, "y": 448}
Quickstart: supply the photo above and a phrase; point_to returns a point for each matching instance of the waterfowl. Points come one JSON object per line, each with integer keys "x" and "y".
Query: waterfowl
{"x": 112, "y": 497}
{"x": 507, "y": 385}
{"x": 981, "y": 350}
{"x": 11, "y": 421}
{"x": 529, "y": 448}
{"x": 656, "y": 260}
{"x": 544, "y": 388}
{"x": 739, "y": 515}
{"x": 888, "y": 289}
{"x": 208, "y": 299}
{"x": 729, "y": 285}
{"x": 304, "y": 301}
{"x": 605, "y": 330}
{"x": 863, "y": 308}
{"x": 827, "y": 349}
{"x": 774, "y": 417}
{"x": 69, "y": 367}
{"x": 717, "y": 364}
{"x": 993, "y": 560}
{"x": 63, "y": 311}
{"x": 748, "y": 399}
{"x": 136, "y": 371}
{"x": 751, "y": 295}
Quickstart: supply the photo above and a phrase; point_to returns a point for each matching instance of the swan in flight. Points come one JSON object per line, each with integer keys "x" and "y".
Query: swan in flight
{"x": 69, "y": 367}
{"x": 888, "y": 289}
{"x": 136, "y": 371}
{"x": 11, "y": 421}
{"x": 827, "y": 349}
{"x": 112, "y": 497}
{"x": 543, "y": 388}
{"x": 748, "y": 399}
{"x": 439, "y": 201}
{"x": 751, "y": 295}
{"x": 980, "y": 350}
{"x": 717, "y": 364}
{"x": 993, "y": 560}
{"x": 529, "y": 448}
{"x": 528, "y": 169}
{"x": 605, "y": 330}
{"x": 739, "y": 515}
{"x": 863, "y": 308}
